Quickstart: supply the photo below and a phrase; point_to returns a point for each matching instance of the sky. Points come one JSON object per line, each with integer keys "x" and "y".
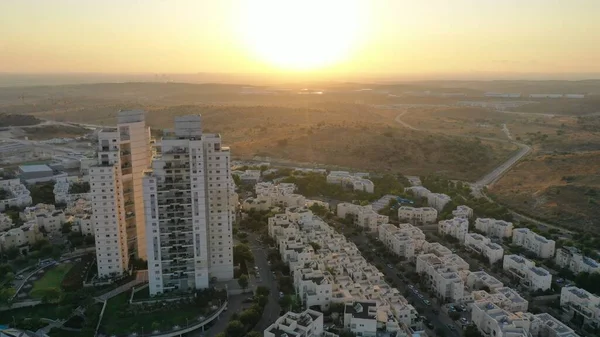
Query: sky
{"x": 326, "y": 36}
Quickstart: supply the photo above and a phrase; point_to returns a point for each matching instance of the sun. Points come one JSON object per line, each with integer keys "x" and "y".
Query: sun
{"x": 301, "y": 34}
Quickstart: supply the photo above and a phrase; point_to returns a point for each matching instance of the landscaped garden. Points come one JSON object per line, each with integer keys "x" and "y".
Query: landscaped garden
{"x": 121, "y": 318}
{"x": 49, "y": 285}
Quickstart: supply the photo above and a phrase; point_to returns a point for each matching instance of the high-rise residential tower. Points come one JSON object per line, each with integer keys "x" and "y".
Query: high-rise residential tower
{"x": 189, "y": 218}
{"x": 117, "y": 195}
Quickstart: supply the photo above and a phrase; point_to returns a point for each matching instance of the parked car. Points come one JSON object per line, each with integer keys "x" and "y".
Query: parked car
{"x": 464, "y": 321}
{"x": 429, "y": 325}
{"x": 427, "y": 302}
{"x": 451, "y": 327}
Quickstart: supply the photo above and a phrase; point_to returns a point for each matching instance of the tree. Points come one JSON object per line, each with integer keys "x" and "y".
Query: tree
{"x": 250, "y": 316}
{"x": 235, "y": 329}
{"x": 286, "y": 302}
{"x": 253, "y": 334}
{"x": 472, "y": 331}
{"x": 315, "y": 246}
{"x": 243, "y": 281}
{"x": 242, "y": 252}
{"x": 6, "y": 294}
{"x": 66, "y": 228}
{"x": 262, "y": 291}
{"x": 454, "y": 315}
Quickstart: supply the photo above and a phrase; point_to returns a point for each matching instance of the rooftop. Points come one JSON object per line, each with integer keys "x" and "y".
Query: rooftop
{"x": 539, "y": 271}
{"x": 35, "y": 168}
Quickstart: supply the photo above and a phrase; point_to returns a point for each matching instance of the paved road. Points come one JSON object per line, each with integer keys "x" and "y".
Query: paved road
{"x": 272, "y": 309}
{"x": 234, "y": 306}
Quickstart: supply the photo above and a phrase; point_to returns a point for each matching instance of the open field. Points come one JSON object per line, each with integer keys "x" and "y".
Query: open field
{"x": 51, "y": 280}
{"x": 564, "y": 189}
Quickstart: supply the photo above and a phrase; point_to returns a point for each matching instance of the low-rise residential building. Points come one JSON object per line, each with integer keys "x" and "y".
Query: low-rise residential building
{"x": 336, "y": 272}
{"x": 16, "y": 194}
{"x": 546, "y": 325}
{"x": 441, "y": 276}
{"x": 455, "y": 227}
{"x": 358, "y": 181}
{"x": 533, "y": 242}
{"x": 436, "y": 248}
{"x": 64, "y": 193}
{"x": 535, "y": 278}
{"x": 308, "y": 323}
{"x": 506, "y": 298}
{"x": 494, "y": 228}
{"x": 482, "y": 245}
{"x": 48, "y": 218}
{"x": 579, "y": 302}
{"x": 248, "y": 176}
{"x": 491, "y": 320}
{"x": 6, "y": 222}
{"x": 26, "y": 234}
{"x": 421, "y": 215}
{"x": 309, "y": 203}
{"x": 270, "y": 195}
{"x": 363, "y": 216}
{"x": 572, "y": 259}
{"x": 401, "y": 239}
{"x": 478, "y": 280}
{"x": 463, "y": 211}
{"x": 361, "y": 318}
{"x": 438, "y": 200}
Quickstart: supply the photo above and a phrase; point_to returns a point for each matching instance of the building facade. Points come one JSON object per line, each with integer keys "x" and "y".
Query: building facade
{"x": 117, "y": 196}
{"x": 533, "y": 242}
{"x": 187, "y": 211}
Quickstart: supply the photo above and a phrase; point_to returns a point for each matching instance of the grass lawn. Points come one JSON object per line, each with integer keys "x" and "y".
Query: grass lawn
{"x": 51, "y": 311}
{"x": 51, "y": 280}
{"x": 118, "y": 320}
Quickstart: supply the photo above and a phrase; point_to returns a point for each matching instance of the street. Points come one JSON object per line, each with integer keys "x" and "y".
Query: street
{"x": 271, "y": 311}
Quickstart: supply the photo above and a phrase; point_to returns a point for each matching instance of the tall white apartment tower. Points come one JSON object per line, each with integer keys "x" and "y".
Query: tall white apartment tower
{"x": 188, "y": 216}
{"x": 116, "y": 187}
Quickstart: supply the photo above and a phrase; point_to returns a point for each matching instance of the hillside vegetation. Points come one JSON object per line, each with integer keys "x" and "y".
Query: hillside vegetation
{"x": 564, "y": 189}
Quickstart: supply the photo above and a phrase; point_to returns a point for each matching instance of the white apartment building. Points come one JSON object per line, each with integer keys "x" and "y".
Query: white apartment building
{"x": 117, "y": 196}
{"x": 572, "y": 259}
{"x": 313, "y": 286}
{"x": 533, "y": 242}
{"x": 361, "y": 318}
{"x": 546, "y": 325}
{"x": 357, "y": 181}
{"x": 535, "y": 278}
{"x": 506, "y": 298}
{"x": 436, "y": 248}
{"x": 421, "y": 215}
{"x": 441, "y": 277}
{"x": 435, "y": 200}
{"x": 364, "y": 216}
{"x": 401, "y": 239}
{"x": 336, "y": 273}
{"x": 491, "y": 320}
{"x": 18, "y": 195}
{"x": 576, "y": 301}
{"x": 308, "y": 323}
{"x": 455, "y": 227}
{"x": 48, "y": 218}
{"x": 187, "y": 211}
{"x": 62, "y": 192}
{"x": 6, "y": 222}
{"x": 26, "y": 234}
{"x": 478, "y": 280}
{"x": 269, "y": 195}
{"x": 494, "y": 228}
{"x": 482, "y": 245}
{"x": 248, "y": 176}
{"x": 463, "y": 211}
{"x": 438, "y": 200}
